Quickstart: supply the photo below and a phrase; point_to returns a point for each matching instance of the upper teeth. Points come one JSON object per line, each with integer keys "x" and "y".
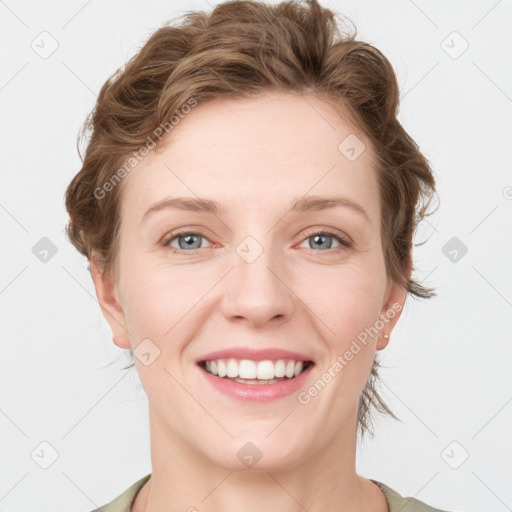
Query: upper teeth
{"x": 247, "y": 369}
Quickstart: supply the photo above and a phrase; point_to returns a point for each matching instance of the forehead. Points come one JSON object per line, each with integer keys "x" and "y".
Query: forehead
{"x": 263, "y": 150}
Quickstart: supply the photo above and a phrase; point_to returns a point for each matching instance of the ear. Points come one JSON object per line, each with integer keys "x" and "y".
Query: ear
{"x": 108, "y": 298}
{"x": 391, "y": 312}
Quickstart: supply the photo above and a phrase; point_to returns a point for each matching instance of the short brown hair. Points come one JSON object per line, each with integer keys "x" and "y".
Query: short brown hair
{"x": 240, "y": 49}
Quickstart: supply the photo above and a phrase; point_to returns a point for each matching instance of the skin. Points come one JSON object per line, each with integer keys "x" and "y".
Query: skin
{"x": 254, "y": 156}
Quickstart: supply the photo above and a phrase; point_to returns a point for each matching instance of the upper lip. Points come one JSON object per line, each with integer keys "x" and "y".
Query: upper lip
{"x": 254, "y": 355}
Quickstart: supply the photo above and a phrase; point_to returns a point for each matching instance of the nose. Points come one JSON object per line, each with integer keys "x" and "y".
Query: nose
{"x": 258, "y": 292}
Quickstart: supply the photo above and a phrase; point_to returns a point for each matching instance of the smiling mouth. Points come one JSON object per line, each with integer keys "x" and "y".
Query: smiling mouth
{"x": 246, "y": 371}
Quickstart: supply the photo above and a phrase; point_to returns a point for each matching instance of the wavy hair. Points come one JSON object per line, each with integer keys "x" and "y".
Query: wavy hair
{"x": 240, "y": 49}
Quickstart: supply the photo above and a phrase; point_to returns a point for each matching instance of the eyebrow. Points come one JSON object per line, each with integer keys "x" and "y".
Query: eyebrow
{"x": 301, "y": 205}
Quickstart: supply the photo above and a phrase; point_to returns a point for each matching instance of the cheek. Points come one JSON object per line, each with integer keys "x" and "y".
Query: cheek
{"x": 346, "y": 303}
{"x": 347, "y": 299}
{"x": 157, "y": 299}
{"x": 160, "y": 299}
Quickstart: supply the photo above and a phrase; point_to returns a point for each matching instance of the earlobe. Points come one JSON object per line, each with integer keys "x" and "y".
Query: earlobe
{"x": 383, "y": 341}
{"x": 391, "y": 313}
{"x": 104, "y": 284}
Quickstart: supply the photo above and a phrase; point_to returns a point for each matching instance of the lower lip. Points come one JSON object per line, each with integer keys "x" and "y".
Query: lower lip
{"x": 257, "y": 392}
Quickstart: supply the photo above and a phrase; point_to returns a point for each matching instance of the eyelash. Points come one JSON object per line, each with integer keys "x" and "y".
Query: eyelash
{"x": 345, "y": 243}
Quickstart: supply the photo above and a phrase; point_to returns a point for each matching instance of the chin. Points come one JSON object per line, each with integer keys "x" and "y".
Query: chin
{"x": 253, "y": 453}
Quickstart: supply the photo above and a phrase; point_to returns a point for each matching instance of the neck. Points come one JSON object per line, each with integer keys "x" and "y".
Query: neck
{"x": 183, "y": 479}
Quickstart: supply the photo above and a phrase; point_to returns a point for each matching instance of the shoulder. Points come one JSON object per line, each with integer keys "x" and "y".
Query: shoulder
{"x": 123, "y": 502}
{"x": 398, "y": 503}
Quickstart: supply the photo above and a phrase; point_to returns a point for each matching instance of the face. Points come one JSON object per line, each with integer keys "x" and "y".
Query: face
{"x": 256, "y": 274}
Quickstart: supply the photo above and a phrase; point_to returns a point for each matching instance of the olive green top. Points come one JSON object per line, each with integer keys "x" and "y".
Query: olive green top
{"x": 396, "y": 502}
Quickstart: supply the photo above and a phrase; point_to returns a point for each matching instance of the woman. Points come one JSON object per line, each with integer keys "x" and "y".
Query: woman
{"x": 247, "y": 203}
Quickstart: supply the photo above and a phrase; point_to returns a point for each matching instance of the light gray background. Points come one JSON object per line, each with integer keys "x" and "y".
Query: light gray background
{"x": 448, "y": 363}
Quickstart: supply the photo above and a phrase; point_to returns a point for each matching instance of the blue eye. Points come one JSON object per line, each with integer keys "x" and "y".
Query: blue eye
{"x": 323, "y": 240}
{"x": 189, "y": 241}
